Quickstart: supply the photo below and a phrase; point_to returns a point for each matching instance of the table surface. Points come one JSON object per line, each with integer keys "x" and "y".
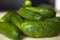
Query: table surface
{"x": 2, "y": 37}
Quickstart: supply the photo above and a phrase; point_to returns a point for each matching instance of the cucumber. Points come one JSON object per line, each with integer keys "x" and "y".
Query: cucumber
{"x": 37, "y": 29}
{"x": 30, "y": 15}
{"x": 47, "y": 12}
{"x": 6, "y": 17}
{"x": 16, "y": 19}
{"x": 57, "y": 19}
{"x": 9, "y": 30}
{"x": 27, "y": 3}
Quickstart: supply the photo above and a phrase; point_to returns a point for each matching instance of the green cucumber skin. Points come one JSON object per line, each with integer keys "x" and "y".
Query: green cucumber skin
{"x": 6, "y": 17}
{"x": 16, "y": 19}
{"x": 36, "y": 28}
{"x": 30, "y": 15}
{"x": 9, "y": 30}
{"x": 12, "y": 16}
{"x": 27, "y": 3}
{"x": 57, "y": 19}
{"x": 47, "y": 12}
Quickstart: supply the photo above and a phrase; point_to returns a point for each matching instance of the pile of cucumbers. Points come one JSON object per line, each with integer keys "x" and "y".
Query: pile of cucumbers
{"x": 31, "y": 21}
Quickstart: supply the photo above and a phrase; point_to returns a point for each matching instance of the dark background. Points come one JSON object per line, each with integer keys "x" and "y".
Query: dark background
{"x": 10, "y": 4}
{"x": 39, "y": 2}
{"x": 16, "y": 4}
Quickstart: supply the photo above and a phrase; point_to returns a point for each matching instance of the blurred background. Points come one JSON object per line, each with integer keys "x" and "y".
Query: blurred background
{"x": 39, "y": 2}
{"x": 16, "y": 4}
